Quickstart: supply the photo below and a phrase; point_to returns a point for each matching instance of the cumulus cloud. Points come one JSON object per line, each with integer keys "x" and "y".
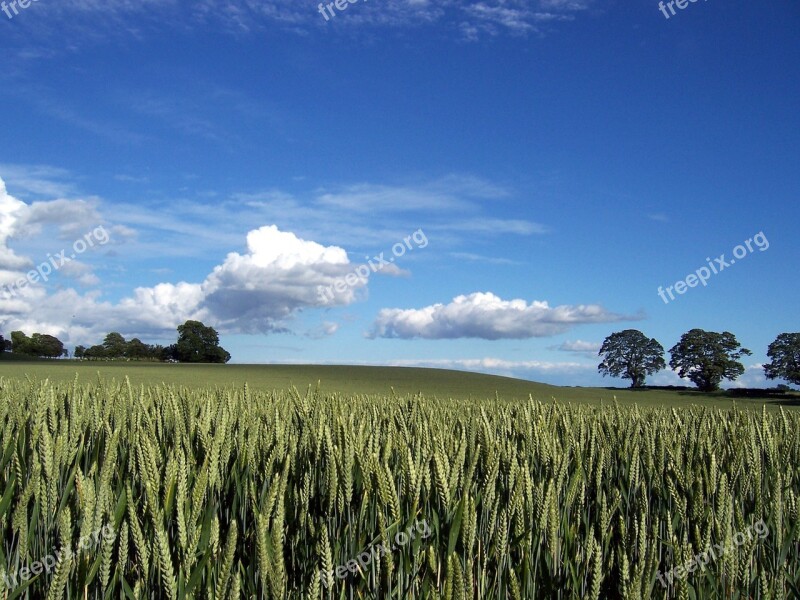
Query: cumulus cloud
{"x": 11, "y": 210}
{"x": 256, "y": 291}
{"x": 279, "y": 275}
{"x": 486, "y": 316}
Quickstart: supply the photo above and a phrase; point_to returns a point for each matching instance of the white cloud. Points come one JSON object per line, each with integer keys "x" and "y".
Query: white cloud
{"x": 72, "y": 218}
{"x": 579, "y": 347}
{"x": 498, "y": 364}
{"x": 81, "y": 272}
{"x": 472, "y": 257}
{"x": 326, "y": 329}
{"x": 63, "y": 219}
{"x": 486, "y": 316}
{"x": 37, "y": 180}
{"x": 93, "y": 20}
{"x": 257, "y": 291}
{"x": 279, "y": 275}
{"x": 11, "y": 210}
{"x": 496, "y": 226}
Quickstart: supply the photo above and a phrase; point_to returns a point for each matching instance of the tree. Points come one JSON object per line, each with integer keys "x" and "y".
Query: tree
{"x": 158, "y": 352}
{"x": 708, "y": 357}
{"x": 784, "y": 353}
{"x": 39, "y": 344}
{"x": 115, "y": 345}
{"x": 199, "y": 344}
{"x": 47, "y": 346}
{"x": 21, "y": 343}
{"x": 79, "y": 352}
{"x": 631, "y": 355}
{"x": 137, "y": 349}
{"x": 95, "y": 352}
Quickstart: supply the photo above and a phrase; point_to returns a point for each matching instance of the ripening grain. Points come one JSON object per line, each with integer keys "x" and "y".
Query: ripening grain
{"x": 221, "y": 494}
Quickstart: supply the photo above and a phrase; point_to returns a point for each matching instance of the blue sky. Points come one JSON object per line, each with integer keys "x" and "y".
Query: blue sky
{"x": 559, "y": 160}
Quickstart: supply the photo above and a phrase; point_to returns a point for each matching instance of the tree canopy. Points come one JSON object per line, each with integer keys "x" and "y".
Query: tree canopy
{"x": 115, "y": 345}
{"x": 784, "y": 354}
{"x": 198, "y": 343}
{"x": 708, "y": 357}
{"x": 630, "y": 354}
{"x": 39, "y": 345}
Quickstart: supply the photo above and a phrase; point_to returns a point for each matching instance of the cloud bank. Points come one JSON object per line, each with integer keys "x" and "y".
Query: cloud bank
{"x": 486, "y": 316}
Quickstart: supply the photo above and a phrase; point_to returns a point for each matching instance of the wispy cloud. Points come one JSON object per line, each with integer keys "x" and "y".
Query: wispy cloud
{"x": 470, "y": 257}
{"x": 37, "y": 180}
{"x": 578, "y": 347}
{"x": 95, "y": 20}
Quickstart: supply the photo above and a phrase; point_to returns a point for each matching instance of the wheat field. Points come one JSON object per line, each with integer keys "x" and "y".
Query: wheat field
{"x": 220, "y": 493}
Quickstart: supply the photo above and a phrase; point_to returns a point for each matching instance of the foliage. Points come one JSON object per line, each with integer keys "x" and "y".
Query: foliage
{"x": 784, "y": 354}
{"x": 631, "y": 355}
{"x": 115, "y": 345}
{"x": 198, "y": 343}
{"x": 41, "y": 345}
{"x": 233, "y": 493}
{"x": 708, "y": 357}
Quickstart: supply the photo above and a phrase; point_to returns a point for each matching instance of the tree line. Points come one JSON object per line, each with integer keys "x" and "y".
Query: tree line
{"x": 703, "y": 357}
{"x": 196, "y": 343}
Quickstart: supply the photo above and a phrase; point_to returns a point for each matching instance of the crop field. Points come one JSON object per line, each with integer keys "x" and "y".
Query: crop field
{"x": 115, "y": 490}
{"x": 380, "y": 381}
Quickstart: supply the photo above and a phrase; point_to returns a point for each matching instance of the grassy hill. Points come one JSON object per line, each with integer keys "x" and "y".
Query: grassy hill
{"x": 373, "y": 380}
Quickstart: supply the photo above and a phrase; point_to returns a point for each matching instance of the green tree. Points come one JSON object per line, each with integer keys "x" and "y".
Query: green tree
{"x": 784, "y": 354}
{"x": 80, "y": 351}
{"x": 630, "y": 354}
{"x": 199, "y": 344}
{"x": 21, "y": 343}
{"x": 137, "y": 350}
{"x": 708, "y": 357}
{"x": 47, "y": 346}
{"x": 157, "y": 352}
{"x": 115, "y": 345}
{"x": 95, "y": 352}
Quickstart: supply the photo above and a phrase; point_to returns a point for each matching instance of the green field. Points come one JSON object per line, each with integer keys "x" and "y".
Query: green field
{"x": 110, "y": 490}
{"x": 437, "y": 383}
